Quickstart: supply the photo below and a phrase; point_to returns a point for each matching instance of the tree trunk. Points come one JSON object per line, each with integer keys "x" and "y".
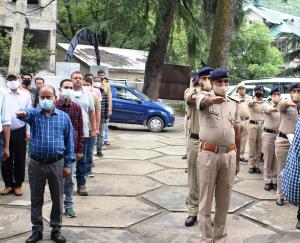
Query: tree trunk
{"x": 223, "y": 27}
{"x": 158, "y": 48}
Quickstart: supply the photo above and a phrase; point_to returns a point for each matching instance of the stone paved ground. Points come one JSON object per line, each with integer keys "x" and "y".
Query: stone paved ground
{"x": 138, "y": 194}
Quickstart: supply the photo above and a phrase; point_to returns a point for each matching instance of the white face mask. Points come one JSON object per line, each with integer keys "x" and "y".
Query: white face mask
{"x": 13, "y": 84}
{"x": 66, "y": 93}
{"x": 276, "y": 99}
{"x": 97, "y": 85}
{"x": 86, "y": 88}
{"x": 296, "y": 97}
{"x": 220, "y": 90}
{"x": 206, "y": 85}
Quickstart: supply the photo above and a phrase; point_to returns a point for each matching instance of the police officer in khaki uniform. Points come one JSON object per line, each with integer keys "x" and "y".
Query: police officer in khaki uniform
{"x": 244, "y": 116}
{"x": 218, "y": 156}
{"x": 271, "y": 125}
{"x": 255, "y": 129}
{"x": 288, "y": 117}
{"x": 201, "y": 84}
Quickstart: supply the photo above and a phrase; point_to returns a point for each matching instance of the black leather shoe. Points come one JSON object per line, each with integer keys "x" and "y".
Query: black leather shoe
{"x": 57, "y": 237}
{"x": 35, "y": 237}
{"x": 274, "y": 186}
{"x": 268, "y": 186}
{"x": 257, "y": 171}
{"x": 184, "y": 156}
{"x": 279, "y": 202}
{"x": 298, "y": 225}
{"x": 243, "y": 160}
{"x": 190, "y": 221}
{"x": 251, "y": 170}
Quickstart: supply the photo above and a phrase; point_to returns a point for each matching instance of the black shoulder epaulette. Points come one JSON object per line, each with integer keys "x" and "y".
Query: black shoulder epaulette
{"x": 236, "y": 99}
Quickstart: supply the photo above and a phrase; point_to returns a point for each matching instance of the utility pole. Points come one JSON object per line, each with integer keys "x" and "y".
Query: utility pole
{"x": 17, "y": 37}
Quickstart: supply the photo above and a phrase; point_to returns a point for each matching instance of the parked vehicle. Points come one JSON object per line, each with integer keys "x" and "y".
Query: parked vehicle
{"x": 133, "y": 107}
{"x": 284, "y": 83}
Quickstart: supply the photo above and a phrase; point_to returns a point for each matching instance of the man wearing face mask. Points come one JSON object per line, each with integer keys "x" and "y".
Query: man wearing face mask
{"x": 201, "y": 84}
{"x": 65, "y": 104}
{"x": 85, "y": 100}
{"x": 244, "y": 116}
{"x": 256, "y": 105}
{"x": 26, "y": 84}
{"x": 13, "y": 168}
{"x": 288, "y": 117}
{"x": 218, "y": 155}
{"x": 52, "y": 155}
{"x": 271, "y": 125}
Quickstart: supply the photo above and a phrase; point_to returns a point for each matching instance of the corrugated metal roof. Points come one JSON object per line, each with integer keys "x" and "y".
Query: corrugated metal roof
{"x": 273, "y": 16}
{"x": 114, "y": 58}
{"x": 285, "y": 28}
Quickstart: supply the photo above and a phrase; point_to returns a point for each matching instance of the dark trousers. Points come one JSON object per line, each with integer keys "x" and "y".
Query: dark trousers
{"x": 13, "y": 169}
{"x": 39, "y": 173}
{"x": 298, "y": 214}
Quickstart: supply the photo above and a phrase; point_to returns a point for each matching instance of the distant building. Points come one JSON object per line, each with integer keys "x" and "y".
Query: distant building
{"x": 122, "y": 63}
{"x": 277, "y": 22}
{"x": 41, "y": 17}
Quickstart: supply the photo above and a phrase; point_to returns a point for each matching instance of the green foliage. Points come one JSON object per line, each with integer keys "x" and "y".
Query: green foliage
{"x": 252, "y": 55}
{"x": 291, "y": 7}
{"x": 32, "y": 58}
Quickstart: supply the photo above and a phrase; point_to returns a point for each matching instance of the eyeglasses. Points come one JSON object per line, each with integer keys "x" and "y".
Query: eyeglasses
{"x": 221, "y": 81}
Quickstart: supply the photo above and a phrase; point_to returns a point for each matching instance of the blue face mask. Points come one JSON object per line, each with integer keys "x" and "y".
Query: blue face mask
{"x": 46, "y": 104}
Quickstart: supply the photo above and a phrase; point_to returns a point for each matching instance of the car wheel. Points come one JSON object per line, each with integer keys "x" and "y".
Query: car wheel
{"x": 156, "y": 124}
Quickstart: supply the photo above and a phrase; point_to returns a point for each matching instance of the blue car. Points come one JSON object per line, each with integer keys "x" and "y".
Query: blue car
{"x": 133, "y": 107}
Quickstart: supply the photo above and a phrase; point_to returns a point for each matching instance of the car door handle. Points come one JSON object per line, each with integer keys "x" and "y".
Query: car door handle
{"x": 119, "y": 105}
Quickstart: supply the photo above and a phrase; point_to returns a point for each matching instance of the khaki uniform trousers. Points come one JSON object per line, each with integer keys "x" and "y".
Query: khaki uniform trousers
{"x": 244, "y": 130}
{"x": 281, "y": 150}
{"x": 216, "y": 174}
{"x": 270, "y": 162}
{"x": 255, "y": 144}
{"x": 193, "y": 195}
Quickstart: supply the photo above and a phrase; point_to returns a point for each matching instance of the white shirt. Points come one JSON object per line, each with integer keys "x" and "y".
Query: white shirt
{"x": 85, "y": 100}
{"x": 17, "y": 102}
{"x": 4, "y": 110}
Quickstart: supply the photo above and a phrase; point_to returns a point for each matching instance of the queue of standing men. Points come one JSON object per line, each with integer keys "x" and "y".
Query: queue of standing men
{"x": 217, "y": 129}
{"x": 61, "y": 131}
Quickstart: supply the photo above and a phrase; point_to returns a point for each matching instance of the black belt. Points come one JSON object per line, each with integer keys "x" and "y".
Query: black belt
{"x": 194, "y": 136}
{"x": 270, "y": 130}
{"x": 256, "y": 122}
{"x": 283, "y": 135}
{"x": 47, "y": 161}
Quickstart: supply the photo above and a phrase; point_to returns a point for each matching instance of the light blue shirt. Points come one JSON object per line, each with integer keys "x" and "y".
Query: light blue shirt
{"x": 4, "y": 110}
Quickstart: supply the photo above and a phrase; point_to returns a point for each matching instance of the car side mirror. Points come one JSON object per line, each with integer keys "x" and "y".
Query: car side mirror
{"x": 138, "y": 100}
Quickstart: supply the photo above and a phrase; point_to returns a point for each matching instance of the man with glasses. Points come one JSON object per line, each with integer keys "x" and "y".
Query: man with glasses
{"x": 256, "y": 109}
{"x": 218, "y": 156}
{"x": 289, "y": 110}
{"x": 201, "y": 84}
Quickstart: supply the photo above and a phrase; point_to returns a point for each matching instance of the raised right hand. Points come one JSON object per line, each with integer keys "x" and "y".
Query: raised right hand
{"x": 21, "y": 113}
{"x": 217, "y": 100}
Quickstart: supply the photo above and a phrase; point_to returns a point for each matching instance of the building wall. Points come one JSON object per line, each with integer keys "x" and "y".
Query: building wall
{"x": 253, "y": 17}
{"x": 40, "y": 23}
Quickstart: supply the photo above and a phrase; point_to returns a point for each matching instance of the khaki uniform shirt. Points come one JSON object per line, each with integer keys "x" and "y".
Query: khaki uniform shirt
{"x": 217, "y": 121}
{"x": 256, "y": 110}
{"x": 272, "y": 119}
{"x": 192, "y": 111}
{"x": 288, "y": 118}
{"x": 243, "y": 106}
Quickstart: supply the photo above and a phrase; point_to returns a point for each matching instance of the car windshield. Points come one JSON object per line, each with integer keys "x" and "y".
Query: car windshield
{"x": 145, "y": 97}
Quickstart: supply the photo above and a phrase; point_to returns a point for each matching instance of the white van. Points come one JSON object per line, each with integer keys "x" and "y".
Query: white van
{"x": 268, "y": 84}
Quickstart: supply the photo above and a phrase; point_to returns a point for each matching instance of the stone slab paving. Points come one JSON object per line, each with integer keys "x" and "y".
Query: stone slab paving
{"x": 171, "y": 177}
{"x": 23, "y": 200}
{"x": 165, "y": 228}
{"x": 267, "y": 212}
{"x": 120, "y": 185}
{"x": 174, "y": 141}
{"x": 254, "y": 188}
{"x": 172, "y": 150}
{"x": 134, "y": 154}
{"x": 171, "y": 161}
{"x": 243, "y": 174}
{"x": 124, "y": 167}
{"x": 173, "y": 198}
{"x": 141, "y": 144}
{"x": 107, "y": 211}
{"x": 14, "y": 221}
